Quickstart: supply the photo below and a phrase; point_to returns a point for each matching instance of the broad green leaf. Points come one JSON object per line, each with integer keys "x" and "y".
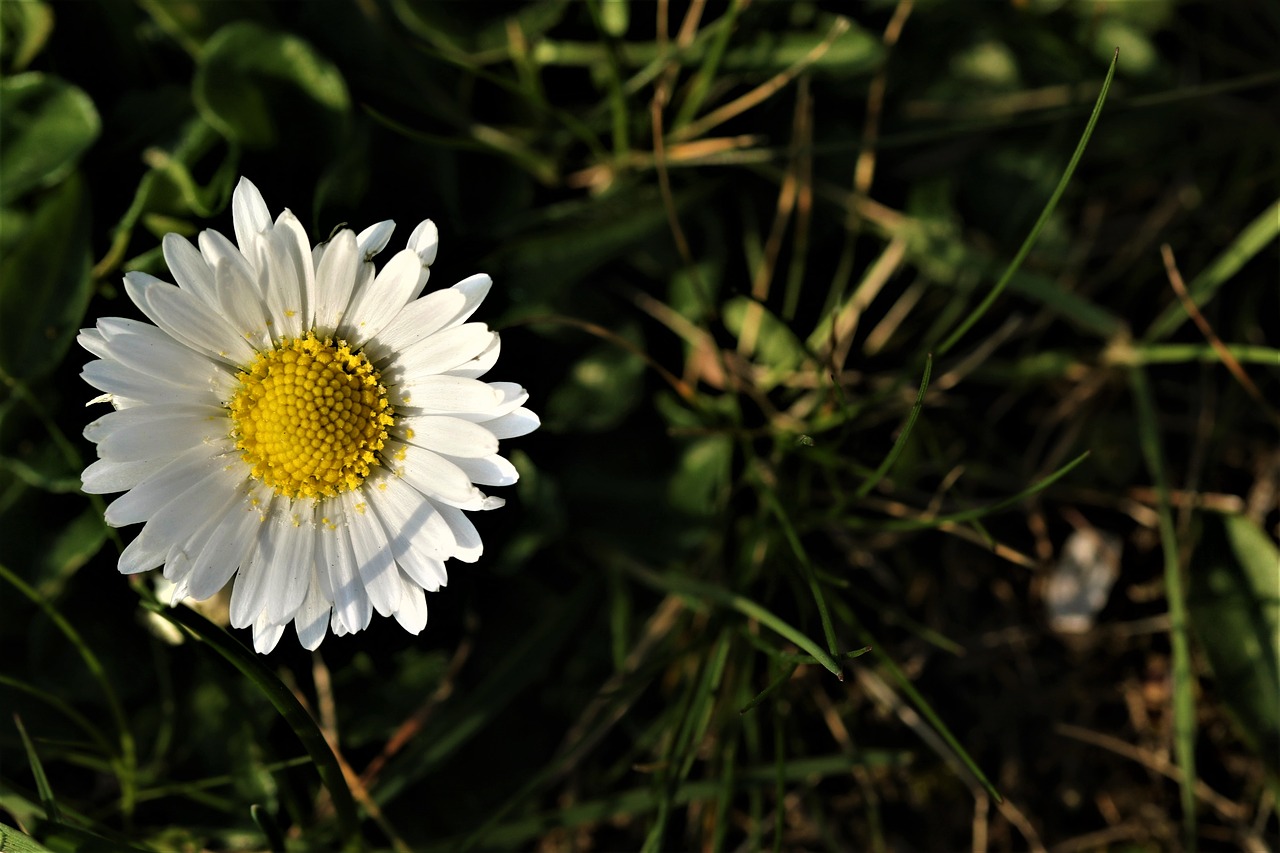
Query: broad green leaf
{"x": 260, "y": 87}
{"x": 24, "y": 29}
{"x": 45, "y": 281}
{"x": 1234, "y": 604}
{"x": 705, "y": 467}
{"x": 771, "y": 342}
{"x": 46, "y": 124}
{"x": 12, "y": 841}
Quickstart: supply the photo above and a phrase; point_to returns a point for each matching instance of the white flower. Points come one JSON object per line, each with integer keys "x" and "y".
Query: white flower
{"x": 300, "y": 423}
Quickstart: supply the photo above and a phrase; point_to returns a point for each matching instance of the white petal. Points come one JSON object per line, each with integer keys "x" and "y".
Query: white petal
{"x": 144, "y": 500}
{"x": 416, "y": 321}
{"x": 92, "y": 340}
{"x": 312, "y": 618}
{"x": 448, "y": 395}
{"x": 125, "y": 382}
{"x": 290, "y": 553}
{"x": 107, "y": 475}
{"x": 451, "y": 436}
{"x": 142, "y": 555}
{"x": 482, "y": 363}
{"x": 335, "y": 277}
{"x": 491, "y": 470}
{"x": 151, "y": 432}
{"x": 412, "y": 611}
{"x": 373, "y": 557}
{"x": 280, "y": 276}
{"x": 444, "y": 350}
{"x": 513, "y": 424}
{"x": 249, "y": 213}
{"x": 475, "y": 288}
{"x": 265, "y": 634}
{"x": 374, "y": 307}
{"x": 242, "y": 304}
{"x": 425, "y": 240}
{"x": 411, "y": 519}
{"x": 150, "y": 351}
{"x": 433, "y": 475}
{"x": 469, "y": 547}
{"x": 247, "y": 598}
{"x": 187, "y": 319}
{"x": 217, "y": 249}
{"x": 510, "y": 396}
{"x": 351, "y": 606}
{"x": 297, "y": 247}
{"x": 227, "y": 549}
{"x": 189, "y": 269}
{"x": 374, "y": 239}
{"x": 186, "y": 513}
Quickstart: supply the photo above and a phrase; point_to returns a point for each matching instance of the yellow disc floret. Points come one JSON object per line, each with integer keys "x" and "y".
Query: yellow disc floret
{"x": 310, "y": 417}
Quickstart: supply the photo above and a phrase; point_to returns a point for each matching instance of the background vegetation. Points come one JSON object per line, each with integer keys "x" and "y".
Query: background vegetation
{"x": 762, "y": 266}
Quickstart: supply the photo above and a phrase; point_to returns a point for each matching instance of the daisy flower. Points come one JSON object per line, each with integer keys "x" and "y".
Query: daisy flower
{"x": 300, "y": 423}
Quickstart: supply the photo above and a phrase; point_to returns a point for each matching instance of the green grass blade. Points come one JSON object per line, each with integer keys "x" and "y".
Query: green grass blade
{"x": 1025, "y": 249}
{"x": 251, "y": 666}
{"x": 1184, "y": 721}
{"x": 47, "y": 799}
{"x": 699, "y": 591}
{"x": 1252, "y": 240}
{"x": 901, "y": 441}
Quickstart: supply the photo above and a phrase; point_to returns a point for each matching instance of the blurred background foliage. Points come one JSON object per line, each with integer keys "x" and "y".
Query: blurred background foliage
{"x": 735, "y": 244}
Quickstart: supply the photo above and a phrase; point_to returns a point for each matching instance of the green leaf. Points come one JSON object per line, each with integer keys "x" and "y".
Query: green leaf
{"x": 770, "y": 341}
{"x": 46, "y": 124}
{"x": 1234, "y": 606}
{"x": 259, "y": 87}
{"x": 24, "y": 29}
{"x": 12, "y": 841}
{"x": 45, "y": 280}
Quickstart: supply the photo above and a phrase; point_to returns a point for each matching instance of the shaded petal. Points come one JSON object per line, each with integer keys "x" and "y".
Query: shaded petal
{"x": 513, "y": 424}
{"x": 425, "y": 241}
{"x": 265, "y": 634}
{"x": 510, "y": 396}
{"x": 230, "y": 546}
{"x": 433, "y": 475}
{"x": 412, "y": 611}
{"x": 146, "y": 499}
{"x": 444, "y": 350}
{"x": 249, "y": 213}
{"x": 187, "y": 319}
{"x": 335, "y": 278}
{"x": 189, "y": 268}
{"x": 312, "y": 618}
{"x": 374, "y": 239}
{"x": 290, "y": 556}
{"x": 491, "y": 470}
{"x": 474, "y": 288}
{"x": 411, "y": 519}
{"x": 242, "y": 303}
{"x": 351, "y": 606}
{"x": 469, "y": 547}
{"x": 416, "y": 321}
{"x": 372, "y": 308}
{"x": 373, "y": 557}
{"x": 482, "y": 363}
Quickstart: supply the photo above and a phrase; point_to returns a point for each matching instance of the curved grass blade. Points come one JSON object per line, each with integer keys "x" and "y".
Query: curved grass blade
{"x": 1184, "y": 710}
{"x": 1025, "y": 249}
{"x": 901, "y": 441}
{"x": 283, "y": 700}
{"x": 47, "y": 799}
{"x": 670, "y": 582}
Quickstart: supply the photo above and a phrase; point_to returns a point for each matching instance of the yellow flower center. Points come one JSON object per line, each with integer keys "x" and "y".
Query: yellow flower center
{"x": 311, "y": 416}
